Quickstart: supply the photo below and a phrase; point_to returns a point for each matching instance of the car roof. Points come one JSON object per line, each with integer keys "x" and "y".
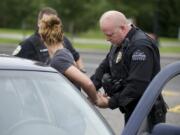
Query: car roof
{"x": 15, "y": 63}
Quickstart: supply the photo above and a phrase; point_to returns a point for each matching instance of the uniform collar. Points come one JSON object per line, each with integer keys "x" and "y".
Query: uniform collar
{"x": 131, "y": 32}
{"x": 128, "y": 37}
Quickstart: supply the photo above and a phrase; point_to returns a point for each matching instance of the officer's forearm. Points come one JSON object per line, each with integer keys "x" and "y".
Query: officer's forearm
{"x": 113, "y": 101}
{"x": 132, "y": 92}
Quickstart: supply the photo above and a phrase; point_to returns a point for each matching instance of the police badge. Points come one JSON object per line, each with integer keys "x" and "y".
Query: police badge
{"x": 119, "y": 56}
{"x": 17, "y": 50}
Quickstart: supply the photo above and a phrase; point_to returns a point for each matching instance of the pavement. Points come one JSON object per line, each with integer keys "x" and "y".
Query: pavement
{"x": 76, "y": 39}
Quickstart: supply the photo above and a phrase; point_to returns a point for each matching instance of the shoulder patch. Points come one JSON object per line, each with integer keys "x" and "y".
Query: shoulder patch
{"x": 17, "y": 50}
{"x": 139, "y": 55}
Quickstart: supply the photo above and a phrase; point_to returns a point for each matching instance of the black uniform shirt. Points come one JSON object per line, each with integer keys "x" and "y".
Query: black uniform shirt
{"x": 33, "y": 48}
{"x": 134, "y": 63}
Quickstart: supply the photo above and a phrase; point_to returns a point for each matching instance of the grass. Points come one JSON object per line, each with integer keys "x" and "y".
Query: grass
{"x": 170, "y": 49}
{"x": 98, "y": 47}
{"x": 101, "y": 47}
{"x": 163, "y": 39}
{"x": 9, "y": 41}
{"x": 94, "y": 34}
{"x": 15, "y": 31}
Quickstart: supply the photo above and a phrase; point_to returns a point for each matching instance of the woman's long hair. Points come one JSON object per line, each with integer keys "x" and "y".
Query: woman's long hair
{"x": 50, "y": 29}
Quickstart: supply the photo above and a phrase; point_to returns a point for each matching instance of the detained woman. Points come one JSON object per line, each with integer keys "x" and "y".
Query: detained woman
{"x": 50, "y": 29}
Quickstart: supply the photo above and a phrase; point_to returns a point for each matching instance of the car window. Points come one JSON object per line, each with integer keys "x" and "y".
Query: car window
{"x": 27, "y": 96}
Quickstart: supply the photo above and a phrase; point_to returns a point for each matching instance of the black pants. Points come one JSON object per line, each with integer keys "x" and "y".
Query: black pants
{"x": 157, "y": 115}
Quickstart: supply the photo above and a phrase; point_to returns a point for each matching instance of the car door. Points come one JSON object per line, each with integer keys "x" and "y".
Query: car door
{"x": 148, "y": 99}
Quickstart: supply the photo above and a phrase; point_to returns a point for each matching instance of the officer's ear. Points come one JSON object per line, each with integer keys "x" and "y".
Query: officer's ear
{"x": 122, "y": 27}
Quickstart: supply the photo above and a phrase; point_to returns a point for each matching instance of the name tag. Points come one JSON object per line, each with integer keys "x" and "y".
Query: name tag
{"x": 43, "y": 50}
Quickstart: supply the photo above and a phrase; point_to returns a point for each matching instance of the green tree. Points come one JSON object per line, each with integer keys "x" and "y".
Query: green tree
{"x": 78, "y": 15}
{"x": 17, "y": 14}
{"x": 158, "y": 16}
{"x": 169, "y": 17}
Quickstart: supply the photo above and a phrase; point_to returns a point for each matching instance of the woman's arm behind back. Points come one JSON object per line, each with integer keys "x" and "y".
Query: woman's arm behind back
{"x": 77, "y": 77}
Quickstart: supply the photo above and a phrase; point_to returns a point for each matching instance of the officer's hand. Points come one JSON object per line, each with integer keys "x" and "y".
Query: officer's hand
{"x": 102, "y": 101}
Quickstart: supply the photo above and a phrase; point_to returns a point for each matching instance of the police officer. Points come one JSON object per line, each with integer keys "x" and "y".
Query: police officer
{"x": 128, "y": 68}
{"x": 33, "y": 47}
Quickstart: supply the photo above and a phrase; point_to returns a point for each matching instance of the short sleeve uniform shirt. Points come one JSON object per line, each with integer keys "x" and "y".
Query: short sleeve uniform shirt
{"x": 62, "y": 60}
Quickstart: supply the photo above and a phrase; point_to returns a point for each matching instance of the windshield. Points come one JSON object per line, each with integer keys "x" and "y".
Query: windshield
{"x": 30, "y": 95}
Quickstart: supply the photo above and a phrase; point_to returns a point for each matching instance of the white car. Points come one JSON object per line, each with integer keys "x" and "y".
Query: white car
{"x": 37, "y": 100}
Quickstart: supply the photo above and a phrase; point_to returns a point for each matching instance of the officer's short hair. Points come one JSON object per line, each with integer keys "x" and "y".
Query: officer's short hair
{"x": 46, "y": 10}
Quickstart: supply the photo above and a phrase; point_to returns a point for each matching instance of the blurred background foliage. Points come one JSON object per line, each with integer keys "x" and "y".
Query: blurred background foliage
{"x": 161, "y": 17}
